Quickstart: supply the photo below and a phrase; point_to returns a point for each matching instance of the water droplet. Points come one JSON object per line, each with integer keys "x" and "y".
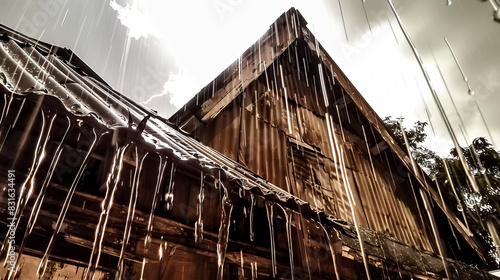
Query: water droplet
{"x": 433, "y": 176}
{"x": 169, "y": 200}
{"x": 469, "y": 203}
{"x": 448, "y": 2}
{"x": 496, "y": 15}
{"x": 460, "y": 207}
{"x": 471, "y": 92}
{"x": 75, "y": 108}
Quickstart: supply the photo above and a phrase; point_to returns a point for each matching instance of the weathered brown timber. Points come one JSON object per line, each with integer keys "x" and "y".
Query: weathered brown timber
{"x": 280, "y": 120}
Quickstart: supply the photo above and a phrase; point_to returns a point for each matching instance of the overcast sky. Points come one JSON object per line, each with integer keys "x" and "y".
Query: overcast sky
{"x": 162, "y": 52}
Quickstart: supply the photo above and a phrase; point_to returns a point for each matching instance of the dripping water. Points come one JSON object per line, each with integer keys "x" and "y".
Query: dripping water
{"x": 288, "y": 219}
{"x": 43, "y": 263}
{"x": 408, "y": 150}
{"x": 252, "y": 208}
{"x": 350, "y": 198}
{"x": 446, "y": 212}
{"x": 29, "y": 183}
{"x": 198, "y": 226}
{"x": 242, "y": 263}
{"x": 267, "y": 78}
{"x": 270, "y": 219}
{"x": 397, "y": 259}
{"x": 39, "y": 200}
{"x": 297, "y": 60}
{"x": 111, "y": 186}
{"x": 154, "y": 202}
{"x": 131, "y": 208}
{"x": 18, "y": 113}
{"x": 6, "y": 107}
{"x": 225, "y": 225}
{"x": 305, "y": 239}
{"x": 305, "y": 71}
{"x": 253, "y": 265}
{"x": 260, "y": 59}
{"x": 25, "y": 193}
{"x": 169, "y": 195}
{"x": 369, "y": 153}
{"x": 434, "y": 231}
{"x": 332, "y": 251}
{"x": 452, "y": 185}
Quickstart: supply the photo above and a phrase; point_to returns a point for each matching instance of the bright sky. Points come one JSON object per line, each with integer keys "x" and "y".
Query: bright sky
{"x": 162, "y": 52}
{"x": 200, "y": 35}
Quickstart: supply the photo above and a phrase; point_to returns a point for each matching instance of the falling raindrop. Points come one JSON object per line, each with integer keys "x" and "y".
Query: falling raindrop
{"x": 305, "y": 71}
{"x": 366, "y": 16}
{"x": 485, "y": 124}
{"x": 297, "y": 60}
{"x": 242, "y": 264}
{"x": 434, "y": 230}
{"x": 496, "y": 15}
{"x": 343, "y": 20}
{"x": 451, "y": 132}
{"x": 482, "y": 170}
{"x": 450, "y": 181}
{"x": 470, "y": 91}
{"x": 448, "y": 2}
{"x": 18, "y": 113}
{"x": 369, "y": 153}
{"x": 343, "y": 168}
{"x": 260, "y": 59}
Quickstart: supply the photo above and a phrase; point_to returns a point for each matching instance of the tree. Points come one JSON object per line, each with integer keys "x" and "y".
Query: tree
{"x": 481, "y": 208}
{"x": 426, "y": 158}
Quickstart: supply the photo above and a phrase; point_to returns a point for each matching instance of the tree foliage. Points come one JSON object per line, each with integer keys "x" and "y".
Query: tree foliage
{"x": 426, "y": 158}
{"x": 483, "y": 160}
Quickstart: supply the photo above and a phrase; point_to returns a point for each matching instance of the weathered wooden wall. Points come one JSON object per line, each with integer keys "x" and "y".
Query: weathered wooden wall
{"x": 278, "y": 128}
